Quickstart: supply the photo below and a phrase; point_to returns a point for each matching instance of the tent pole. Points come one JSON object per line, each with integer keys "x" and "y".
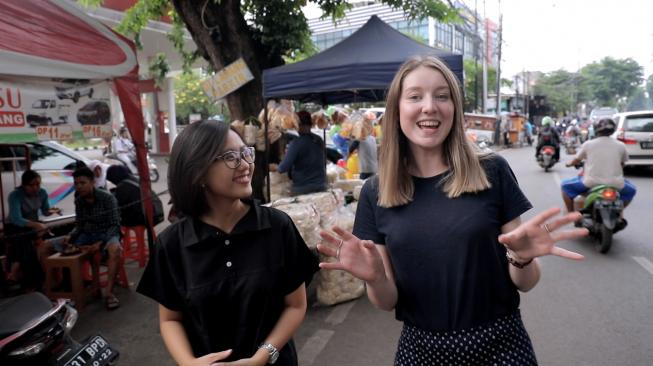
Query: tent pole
{"x": 267, "y": 150}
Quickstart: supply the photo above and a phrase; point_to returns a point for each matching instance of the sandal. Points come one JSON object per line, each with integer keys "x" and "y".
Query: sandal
{"x": 112, "y": 302}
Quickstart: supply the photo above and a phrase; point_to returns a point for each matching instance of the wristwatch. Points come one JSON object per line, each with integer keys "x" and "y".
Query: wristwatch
{"x": 272, "y": 351}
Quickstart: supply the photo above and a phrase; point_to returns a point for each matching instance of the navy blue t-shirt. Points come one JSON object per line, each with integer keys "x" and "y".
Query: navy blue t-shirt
{"x": 305, "y": 161}
{"x": 450, "y": 270}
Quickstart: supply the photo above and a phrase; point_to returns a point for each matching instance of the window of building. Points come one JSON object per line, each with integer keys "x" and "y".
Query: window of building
{"x": 443, "y": 35}
{"x": 459, "y": 42}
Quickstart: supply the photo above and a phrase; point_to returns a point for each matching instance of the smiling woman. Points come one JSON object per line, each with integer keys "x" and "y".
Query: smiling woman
{"x": 230, "y": 276}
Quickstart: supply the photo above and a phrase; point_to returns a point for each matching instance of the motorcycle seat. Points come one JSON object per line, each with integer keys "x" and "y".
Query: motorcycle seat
{"x": 17, "y": 312}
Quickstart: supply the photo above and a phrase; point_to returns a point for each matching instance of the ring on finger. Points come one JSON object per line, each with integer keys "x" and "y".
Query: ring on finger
{"x": 546, "y": 227}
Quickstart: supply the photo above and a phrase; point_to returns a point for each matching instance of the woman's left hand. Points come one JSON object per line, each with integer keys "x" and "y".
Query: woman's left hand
{"x": 537, "y": 236}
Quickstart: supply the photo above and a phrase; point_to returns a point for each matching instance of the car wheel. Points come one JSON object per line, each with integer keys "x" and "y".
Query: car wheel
{"x": 49, "y": 122}
{"x": 90, "y": 93}
{"x": 76, "y": 97}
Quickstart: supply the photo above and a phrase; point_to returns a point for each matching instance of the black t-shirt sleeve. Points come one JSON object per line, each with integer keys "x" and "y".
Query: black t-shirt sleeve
{"x": 299, "y": 263}
{"x": 513, "y": 201}
{"x": 365, "y": 223}
{"x": 157, "y": 282}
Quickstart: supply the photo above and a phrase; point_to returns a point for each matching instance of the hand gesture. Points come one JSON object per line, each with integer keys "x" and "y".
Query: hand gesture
{"x": 536, "y": 237}
{"x": 209, "y": 359}
{"x": 241, "y": 362}
{"x": 358, "y": 257}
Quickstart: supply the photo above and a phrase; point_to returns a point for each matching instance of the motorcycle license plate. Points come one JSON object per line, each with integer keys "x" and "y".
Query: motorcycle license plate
{"x": 646, "y": 144}
{"x": 95, "y": 352}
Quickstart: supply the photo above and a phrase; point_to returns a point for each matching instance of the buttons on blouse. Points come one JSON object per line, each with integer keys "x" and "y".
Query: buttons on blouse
{"x": 229, "y": 264}
{"x": 227, "y": 242}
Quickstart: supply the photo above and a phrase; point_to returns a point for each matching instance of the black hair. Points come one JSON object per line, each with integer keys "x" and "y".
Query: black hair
{"x": 304, "y": 118}
{"x": 28, "y": 176}
{"x": 84, "y": 172}
{"x": 117, "y": 173}
{"x": 193, "y": 152}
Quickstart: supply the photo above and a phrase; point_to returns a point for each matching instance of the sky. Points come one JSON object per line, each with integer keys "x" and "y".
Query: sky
{"x": 548, "y": 35}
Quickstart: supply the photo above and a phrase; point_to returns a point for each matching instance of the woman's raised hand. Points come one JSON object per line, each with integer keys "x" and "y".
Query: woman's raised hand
{"x": 537, "y": 237}
{"x": 358, "y": 257}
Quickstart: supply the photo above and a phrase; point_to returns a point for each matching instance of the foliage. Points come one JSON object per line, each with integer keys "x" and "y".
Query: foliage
{"x": 191, "y": 98}
{"x": 558, "y": 87}
{"x": 610, "y": 80}
{"x": 471, "y": 73}
{"x": 159, "y": 68}
{"x": 639, "y": 101}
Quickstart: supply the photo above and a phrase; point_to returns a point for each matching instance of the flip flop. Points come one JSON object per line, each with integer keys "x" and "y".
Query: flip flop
{"x": 112, "y": 302}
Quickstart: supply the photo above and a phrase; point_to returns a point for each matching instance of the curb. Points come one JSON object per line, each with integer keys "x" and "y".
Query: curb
{"x": 84, "y": 148}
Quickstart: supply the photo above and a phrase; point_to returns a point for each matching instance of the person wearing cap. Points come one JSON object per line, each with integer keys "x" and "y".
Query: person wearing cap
{"x": 548, "y": 136}
{"x": 305, "y": 160}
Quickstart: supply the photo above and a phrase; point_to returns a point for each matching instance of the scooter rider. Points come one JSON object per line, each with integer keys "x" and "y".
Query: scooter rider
{"x": 548, "y": 136}
{"x": 124, "y": 149}
{"x": 604, "y": 159}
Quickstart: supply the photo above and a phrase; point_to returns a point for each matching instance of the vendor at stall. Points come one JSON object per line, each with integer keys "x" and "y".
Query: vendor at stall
{"x": 304, "y": 160}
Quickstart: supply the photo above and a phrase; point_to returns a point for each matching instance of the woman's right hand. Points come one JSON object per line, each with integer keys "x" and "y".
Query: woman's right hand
{"x": 358, "y": 257}
{"x": 209, "y": 359}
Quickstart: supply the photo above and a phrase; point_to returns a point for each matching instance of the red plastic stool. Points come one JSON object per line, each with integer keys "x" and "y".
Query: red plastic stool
{"x": 134, "y": 245}
{"x": 103, "y": 271}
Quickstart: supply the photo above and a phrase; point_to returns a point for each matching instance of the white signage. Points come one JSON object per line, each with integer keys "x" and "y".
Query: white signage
{"x": 227, "y": 80}
{"x": 54, "y": 109}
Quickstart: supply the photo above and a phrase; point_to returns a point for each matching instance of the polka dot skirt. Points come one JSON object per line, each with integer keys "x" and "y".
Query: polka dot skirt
{"x": 502, "y": 342}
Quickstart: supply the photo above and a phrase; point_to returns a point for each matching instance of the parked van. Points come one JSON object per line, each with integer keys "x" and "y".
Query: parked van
{"x": 54, "y": 162}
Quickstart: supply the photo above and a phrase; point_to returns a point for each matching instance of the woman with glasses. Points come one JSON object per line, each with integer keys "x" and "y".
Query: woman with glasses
{"x": 23, "y": 227}
{"x": 230, "y": 276}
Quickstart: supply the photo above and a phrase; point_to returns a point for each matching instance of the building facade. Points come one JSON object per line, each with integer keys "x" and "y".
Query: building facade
{"x": 465, "y": 38}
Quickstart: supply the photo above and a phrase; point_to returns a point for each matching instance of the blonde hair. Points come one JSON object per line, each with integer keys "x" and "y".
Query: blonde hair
{"x": 466, "y": 175}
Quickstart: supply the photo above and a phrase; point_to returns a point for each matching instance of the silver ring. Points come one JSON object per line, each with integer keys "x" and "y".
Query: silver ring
{"x": 338, "y": 250}
{"x": 546, "y": 227}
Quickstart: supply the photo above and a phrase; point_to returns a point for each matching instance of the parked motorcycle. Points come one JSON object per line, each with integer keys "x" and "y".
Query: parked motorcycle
{"x": 36, "y": 331}
{"x": 546, "y": 157}
{"x": 601, "y": 211}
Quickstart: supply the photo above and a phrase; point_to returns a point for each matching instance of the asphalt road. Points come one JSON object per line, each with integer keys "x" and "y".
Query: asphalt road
{"x": 594, "y": 312}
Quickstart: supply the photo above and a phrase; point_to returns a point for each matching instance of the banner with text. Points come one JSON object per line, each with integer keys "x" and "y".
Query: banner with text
{"x": 227, "y": 80}
{"x": 33, "y": 109}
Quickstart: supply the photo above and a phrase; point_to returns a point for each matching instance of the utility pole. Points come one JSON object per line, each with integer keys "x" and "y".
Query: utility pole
{"x": 476, "y": 51}
{"x": 484, "y": 59}
{"x": 498, "y": 86}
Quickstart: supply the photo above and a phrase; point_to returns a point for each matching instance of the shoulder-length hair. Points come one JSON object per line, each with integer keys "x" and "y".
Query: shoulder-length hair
{"x": 193, "y": 152}
{"x": 466, "y": 175}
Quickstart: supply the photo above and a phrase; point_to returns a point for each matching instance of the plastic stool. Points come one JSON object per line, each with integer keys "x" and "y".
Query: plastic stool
{"x": 134, "y": 246}
{"x": 74, "y": 263}
{"x": 103, "y": 271}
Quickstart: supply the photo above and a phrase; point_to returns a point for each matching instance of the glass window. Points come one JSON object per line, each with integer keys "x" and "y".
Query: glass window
{"x": 640, "y": 123}
{"x": 45, "y": 158}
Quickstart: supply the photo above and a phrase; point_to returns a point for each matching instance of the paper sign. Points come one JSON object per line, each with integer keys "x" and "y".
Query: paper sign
{"x": 54, "y": 132}
{"x": 227, "y": 80}
{"x": 97, "y": 131}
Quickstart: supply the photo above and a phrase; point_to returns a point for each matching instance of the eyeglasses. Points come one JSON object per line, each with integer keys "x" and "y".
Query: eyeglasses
{"x": 232, "y": 158}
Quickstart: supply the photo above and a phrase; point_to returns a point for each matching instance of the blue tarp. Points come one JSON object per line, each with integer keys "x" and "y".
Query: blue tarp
{"x": 359, "y": 68}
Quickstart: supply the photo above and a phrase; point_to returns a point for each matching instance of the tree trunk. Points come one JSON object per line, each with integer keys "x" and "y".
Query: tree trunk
{"x": 226, "y": 38}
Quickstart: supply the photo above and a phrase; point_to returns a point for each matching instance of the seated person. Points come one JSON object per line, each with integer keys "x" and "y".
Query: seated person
{"x": 100, "y": 171}
{"x": 128, "y": 195}
{"x": 23, "y": 228}
{"x": 97, "y": 226}
{"x": 305, "y": 159}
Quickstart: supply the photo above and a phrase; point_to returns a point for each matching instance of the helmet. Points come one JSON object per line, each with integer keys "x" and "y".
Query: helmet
{"x": 605, "y": 127}
{"x": 547, "y": 121}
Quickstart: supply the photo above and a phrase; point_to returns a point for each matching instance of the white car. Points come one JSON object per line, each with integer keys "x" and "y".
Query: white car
{"x": 54, "y": 162}
{"x": 635, "y": 129}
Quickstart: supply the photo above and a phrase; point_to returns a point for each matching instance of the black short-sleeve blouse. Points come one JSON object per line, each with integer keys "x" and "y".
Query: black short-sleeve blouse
{"x": 450, "y": 270}
{"x": 230, "y": 288}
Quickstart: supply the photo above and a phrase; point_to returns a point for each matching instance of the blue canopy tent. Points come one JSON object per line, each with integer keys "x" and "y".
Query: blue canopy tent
{"x": 358, "y": 69}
